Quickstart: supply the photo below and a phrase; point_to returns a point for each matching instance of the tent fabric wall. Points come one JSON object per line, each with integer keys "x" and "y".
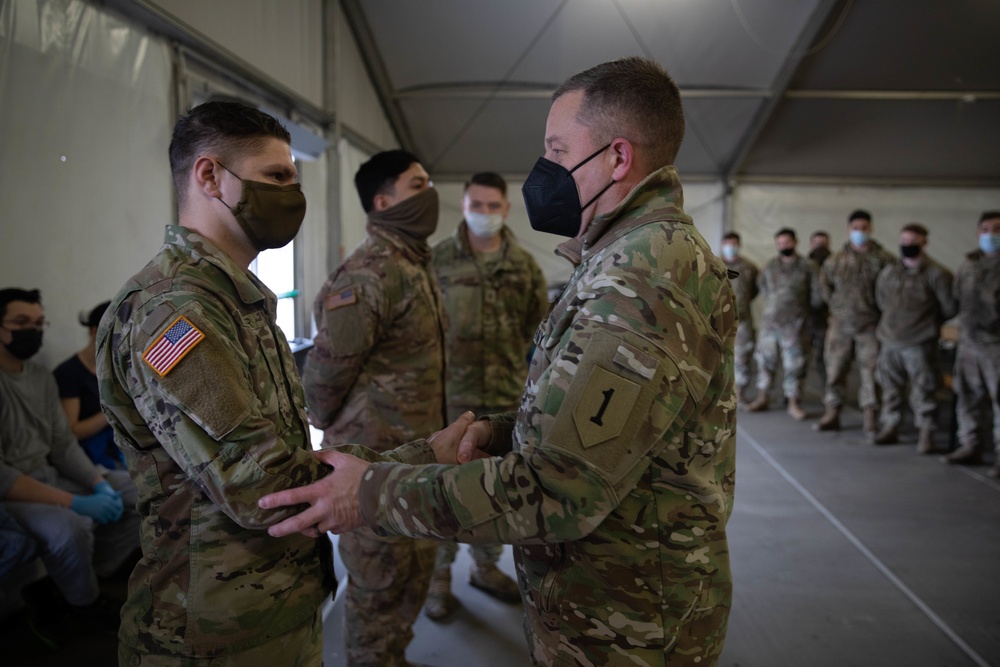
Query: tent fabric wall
{"x": 84, "y": 179}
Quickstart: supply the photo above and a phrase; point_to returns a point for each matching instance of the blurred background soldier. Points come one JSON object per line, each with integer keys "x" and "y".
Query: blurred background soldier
{"x": 848, "y": 282}
{"x": 745, "y": 287}
{"x": 790, "y": 288}
{"x": 819, "y": 251}
{"x": 977, "y": 367}
{"x": 376, "y": 378}
{"x": 914, "y": 295}
{"x": 494, "y": 295}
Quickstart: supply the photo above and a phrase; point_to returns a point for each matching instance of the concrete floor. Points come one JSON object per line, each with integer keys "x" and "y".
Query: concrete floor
{"x": 843, "y": 554}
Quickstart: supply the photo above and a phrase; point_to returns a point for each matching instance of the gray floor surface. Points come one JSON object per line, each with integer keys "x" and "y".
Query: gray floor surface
{"x": 843, "y": 554}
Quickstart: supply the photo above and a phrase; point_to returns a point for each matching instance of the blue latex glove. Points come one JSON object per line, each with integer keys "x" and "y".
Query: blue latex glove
{"x": 99, "y": 507}
{"x": 104, "y": 488}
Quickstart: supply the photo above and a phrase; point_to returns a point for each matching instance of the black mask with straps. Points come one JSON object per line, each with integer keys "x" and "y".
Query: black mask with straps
{"x": 551, "y": 197}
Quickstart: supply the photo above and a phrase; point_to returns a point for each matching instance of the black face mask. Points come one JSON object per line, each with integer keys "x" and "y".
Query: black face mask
{"x": 909, "y": 251}
{"x": 24, "y": 343}
{"x": 787, "y": 252}
{"x": 551, "y": 197}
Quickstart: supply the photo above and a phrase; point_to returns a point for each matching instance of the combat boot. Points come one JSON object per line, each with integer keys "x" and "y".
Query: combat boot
{"x": 830, "y": 421}
{"x": 758, "y": 404}
{"x": 925, "y": 443}
{"x": 495, "y": 583}
{"x": 994, "y": 472}
{"x": 870, "y": 422}
{"x": 966, "y": 455}
{"x": 887, "y": 436}
{"x": 440, "y": 602}
{"x": 795, "y": 410}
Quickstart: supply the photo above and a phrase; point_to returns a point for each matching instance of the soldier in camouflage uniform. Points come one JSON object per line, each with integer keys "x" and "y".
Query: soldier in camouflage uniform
{"x": 494, "y": 294}
{"x": 376, "y": 377}
{"x": 915, "y": 297}
{"x": 977, "y": 368}
{"x": 819, "y": 252}
{"x": 745, "y": 287}
{"x": 791, "y": 292}
{"x": 848, "y": 283}
{"x": 200, "y": 387}
{"x": 615, "y": 478}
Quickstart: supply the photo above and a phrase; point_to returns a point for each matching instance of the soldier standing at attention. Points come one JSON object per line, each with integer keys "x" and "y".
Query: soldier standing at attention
{"x": 615, "y": 477}
{"x": 977, "y": 368}
{"x": 494, "y": 295}
{"x": 790, "y": 288}
{"x": 848, "y": 283}
{"x": 819, "y": 252}
{"x": 200, "y": 387}
{"x": 376, "y": 377}
{"x": 745, "y": 287}
{"x": 915, "y": 297}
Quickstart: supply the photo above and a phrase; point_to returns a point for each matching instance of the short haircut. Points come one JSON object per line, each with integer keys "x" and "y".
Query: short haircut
{"x": 9, "y": 294}
{"x": 633, "y": 98}
{"x": 786, "y": 231}
{"x": 488, "y": 179}
{"x": 915, "y": 228}
{"x": 989, "y": 215}
{"x": 819, "y": 232}
{"x": 859, "y": 214}
{"x": 378, "y": 175}
{"x": 226, "y": 129}
{"x": 93, "y": 319}
{"x": 732, "y": 235}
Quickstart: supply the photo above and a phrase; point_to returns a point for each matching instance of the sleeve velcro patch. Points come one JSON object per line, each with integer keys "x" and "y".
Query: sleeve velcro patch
{"x": 604, "y": 407}
{"x": 172, "y": 345}
{"x": 340, "y": 299}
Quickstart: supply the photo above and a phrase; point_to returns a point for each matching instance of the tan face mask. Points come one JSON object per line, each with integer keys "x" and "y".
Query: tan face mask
{"x": 270, "y": 215}
{"x": 416, "y": 217}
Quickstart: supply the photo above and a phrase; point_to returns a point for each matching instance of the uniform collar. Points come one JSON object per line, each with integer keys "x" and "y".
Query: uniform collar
{"x": 461, "y": 237}
{"x": 247, "y": 285}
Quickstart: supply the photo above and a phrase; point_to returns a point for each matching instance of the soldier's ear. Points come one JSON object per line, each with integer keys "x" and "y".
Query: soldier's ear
{"x": 206, "y": 175}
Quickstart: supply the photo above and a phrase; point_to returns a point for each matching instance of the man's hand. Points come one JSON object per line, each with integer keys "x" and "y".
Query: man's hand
{"x": 459, "y": 441}
{"x": 99, "y": 507}
{"x": 333, "y": 500}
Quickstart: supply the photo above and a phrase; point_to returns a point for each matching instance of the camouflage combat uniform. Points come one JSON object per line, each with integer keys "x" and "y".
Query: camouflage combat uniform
{"x": 493, "y": 310}
{"x": 205, "y": 433}
{"x": 848, "y": 282}
{"x": 376, "y": 377}
{"x": 615, "y": 479}
{"x": 791, "y": 292}
{"x": 977, "y": 367}
{"x": 745, "y": 288}
{"x": 914, "y": 304}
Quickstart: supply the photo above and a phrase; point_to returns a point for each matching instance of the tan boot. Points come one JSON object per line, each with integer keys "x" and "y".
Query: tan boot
{"x": 795, "y": 410}
{"x": 925, "y": 443}
{"x": 830, "y": 421}
{"x": 870, "y": 422}
{"x": 440, "y": 602}
{"x": 492, "y": 581}
{"x": 966, "y": 455}
{"x": 887, "y": 436}
{"x": 758, "y": 404}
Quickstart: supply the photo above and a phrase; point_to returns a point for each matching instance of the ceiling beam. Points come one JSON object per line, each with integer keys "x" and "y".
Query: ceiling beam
{"x": 895, "y": 95}
{"x": 377, "y": 72}
{"x": 793, "y": 61}
{"x": 496, "y": 90}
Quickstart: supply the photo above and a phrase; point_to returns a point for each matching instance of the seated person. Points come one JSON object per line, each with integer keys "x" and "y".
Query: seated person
{"x": 16, "y": 545}
{"x": 85, "y": 523}
{"x": 81, "y": 400}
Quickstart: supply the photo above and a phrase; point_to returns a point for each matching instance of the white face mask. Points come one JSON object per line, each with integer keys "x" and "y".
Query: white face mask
{"x": 729, "y": 252}
{"x": 484, "y": 225}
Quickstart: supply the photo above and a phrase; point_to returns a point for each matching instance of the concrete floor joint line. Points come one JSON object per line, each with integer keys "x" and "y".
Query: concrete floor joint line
{"x": 865, "y": 551}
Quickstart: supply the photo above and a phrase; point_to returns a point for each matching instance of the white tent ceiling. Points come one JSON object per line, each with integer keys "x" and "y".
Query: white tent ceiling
{"x": 873, "y": 91}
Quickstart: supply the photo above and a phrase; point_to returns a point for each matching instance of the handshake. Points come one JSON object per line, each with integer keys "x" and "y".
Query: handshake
{"x": 104, "y": 505}
{"x": 333, "y": 500}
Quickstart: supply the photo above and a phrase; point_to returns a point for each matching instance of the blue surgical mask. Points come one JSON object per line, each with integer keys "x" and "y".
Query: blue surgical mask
{"x": 989, "y": 243}
{"x": 729, "y": 252}
{"x": 858, "y": 237}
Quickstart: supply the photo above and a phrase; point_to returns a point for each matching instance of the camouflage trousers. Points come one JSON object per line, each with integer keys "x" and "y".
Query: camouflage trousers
{"x": 386, "y": 588}
{"x": 744, "y": 352}
{"x": 977, "y": 385}
{"x": 482, "y": 554}
{"x": 302, "y": 647}
{"x": 913, "y": 364}
{"x": 790, "y": 341}
{"x": 843, "y": 347}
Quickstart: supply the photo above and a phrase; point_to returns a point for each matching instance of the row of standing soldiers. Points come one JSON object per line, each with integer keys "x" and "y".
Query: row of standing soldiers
{"x": 886, "y": 314}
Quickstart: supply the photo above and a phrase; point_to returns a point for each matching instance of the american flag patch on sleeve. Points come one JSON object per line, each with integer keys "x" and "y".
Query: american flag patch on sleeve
{"x": 179, "y": 339}
{"x": 342, "y": 298}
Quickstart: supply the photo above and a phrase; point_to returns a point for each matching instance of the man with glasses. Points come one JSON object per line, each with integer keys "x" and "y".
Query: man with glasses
{"x": 83, "y": 520}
